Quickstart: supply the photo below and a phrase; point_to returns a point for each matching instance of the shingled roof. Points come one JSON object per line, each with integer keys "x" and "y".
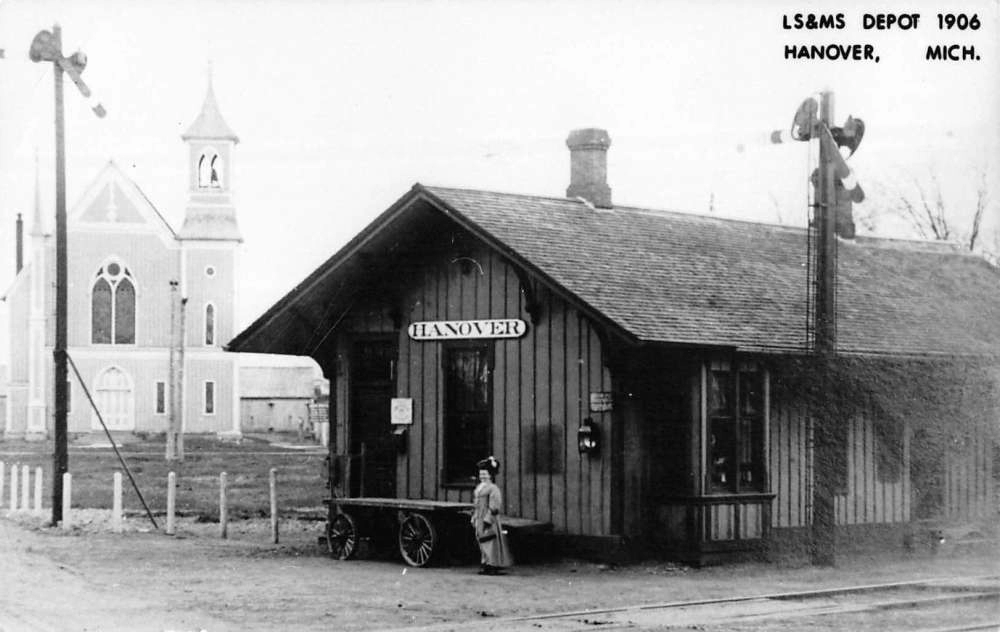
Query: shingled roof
{"x": 669, "y": 277}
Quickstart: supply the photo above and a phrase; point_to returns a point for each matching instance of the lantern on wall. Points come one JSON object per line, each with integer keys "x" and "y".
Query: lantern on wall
{"x": 588, "y": 437}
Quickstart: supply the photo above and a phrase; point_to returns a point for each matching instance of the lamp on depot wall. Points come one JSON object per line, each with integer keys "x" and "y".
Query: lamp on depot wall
{"x": 588, "y": 437}
{"x": 400, "y": 436}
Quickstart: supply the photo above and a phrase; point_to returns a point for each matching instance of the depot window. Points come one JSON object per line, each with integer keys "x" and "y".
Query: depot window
{"x": 736, "y": 426}
{"x": 468, "y": 418}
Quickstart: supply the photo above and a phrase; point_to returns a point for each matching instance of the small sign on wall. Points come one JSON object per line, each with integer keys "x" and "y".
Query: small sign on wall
{"x": 401, "y": 411}
{"x": 601, "y": 402}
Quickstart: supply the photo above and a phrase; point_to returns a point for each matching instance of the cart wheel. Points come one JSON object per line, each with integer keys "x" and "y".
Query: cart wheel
{"x": 342, "y": 536}
{"x": 417, "y": 539}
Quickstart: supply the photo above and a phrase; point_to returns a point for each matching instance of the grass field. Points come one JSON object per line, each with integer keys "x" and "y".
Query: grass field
{"x": 300, "y": 475}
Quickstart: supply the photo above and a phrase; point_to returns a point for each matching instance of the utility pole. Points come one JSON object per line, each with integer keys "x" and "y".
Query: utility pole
{"x": 823, "y": 551}
{"x": 175, "y": 436}
{"x": 47, "y": 46}
{"x": 172, "y": 372}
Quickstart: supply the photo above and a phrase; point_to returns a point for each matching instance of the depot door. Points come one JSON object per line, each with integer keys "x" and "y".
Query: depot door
{"x": 373, "y": 371}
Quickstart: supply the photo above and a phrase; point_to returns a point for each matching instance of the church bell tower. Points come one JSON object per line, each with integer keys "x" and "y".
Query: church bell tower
{"x": 209, "y": 241}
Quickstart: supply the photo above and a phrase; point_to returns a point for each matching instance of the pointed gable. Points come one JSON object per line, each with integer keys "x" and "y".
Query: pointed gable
{"x": 114, "y": 202}
{"x": 112, "y": 205}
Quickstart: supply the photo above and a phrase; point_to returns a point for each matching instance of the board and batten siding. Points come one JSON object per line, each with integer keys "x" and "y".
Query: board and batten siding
{"x": 867, "y": 498}
{"x": 541, "y": 392}
{"x": 968, "y": 485}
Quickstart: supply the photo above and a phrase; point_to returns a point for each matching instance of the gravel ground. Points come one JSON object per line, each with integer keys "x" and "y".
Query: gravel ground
{"x": 88, "y": 578}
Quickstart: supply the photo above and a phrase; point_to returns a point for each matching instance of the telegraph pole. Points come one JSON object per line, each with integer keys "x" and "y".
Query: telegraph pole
{"x": 47, "y": 46}
{"x": 823, "y": 534}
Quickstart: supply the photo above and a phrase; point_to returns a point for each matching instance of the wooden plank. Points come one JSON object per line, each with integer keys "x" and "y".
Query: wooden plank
{"x": 529, "y": 478}
{"x": 906, "y": 472}
{"x": 512, "y": 394}
{"x": 414, "y": 504}
{"x": 869, "y": 478}
{"x": 796, "y": 470}
{"x": 435, "y": 297}
{"x": 593, "y": 509}
{"x": 557, "y": 413}
{"x": 405, "y": 466}
{"x": 542, "y": 413}
{"x": 573, "y": 460}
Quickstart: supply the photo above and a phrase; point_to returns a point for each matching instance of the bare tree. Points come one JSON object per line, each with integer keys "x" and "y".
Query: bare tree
{"x": 925, "y": 210}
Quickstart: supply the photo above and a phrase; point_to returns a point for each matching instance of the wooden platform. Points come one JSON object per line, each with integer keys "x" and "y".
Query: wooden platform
{"x": 411, "y": 504}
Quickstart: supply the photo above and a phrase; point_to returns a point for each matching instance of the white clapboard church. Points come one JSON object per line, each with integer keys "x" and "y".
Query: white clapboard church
{"x": 123, "y": 311}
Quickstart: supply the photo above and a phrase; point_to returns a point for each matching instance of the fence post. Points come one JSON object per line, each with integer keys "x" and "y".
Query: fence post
{"x": 25, "y": 488}
{"x": 116, "y": 506}
{"x": 2, "y": 481}
{"x": 171, "y": 501}
{"x": 13, "y": 487}
{"x": 223, "y": 507}
{"x": 273, "y": 481}
{"x": 67, "y": 497}
{"x": 38, "y": 489}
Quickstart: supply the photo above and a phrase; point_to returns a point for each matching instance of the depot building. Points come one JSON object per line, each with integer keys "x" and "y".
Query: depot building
{"x": 643, "y": 375}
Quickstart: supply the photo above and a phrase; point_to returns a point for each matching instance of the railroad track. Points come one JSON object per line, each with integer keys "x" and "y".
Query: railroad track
{"x": 721, "y": 614}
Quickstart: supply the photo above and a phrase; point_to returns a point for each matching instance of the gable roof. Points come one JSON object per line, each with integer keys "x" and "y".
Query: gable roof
{"x": 113, "y": 201}
{"x": 668, "y": 277}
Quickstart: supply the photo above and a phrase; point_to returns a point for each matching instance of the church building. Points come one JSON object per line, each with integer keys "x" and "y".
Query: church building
{"x": 141, "y": 297}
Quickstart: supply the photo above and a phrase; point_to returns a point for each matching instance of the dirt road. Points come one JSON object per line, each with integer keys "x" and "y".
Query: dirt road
{"x": 91, "y": 580}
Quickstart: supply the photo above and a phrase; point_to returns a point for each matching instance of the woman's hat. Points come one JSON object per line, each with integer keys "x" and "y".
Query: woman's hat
{"x": 490, "y": 464}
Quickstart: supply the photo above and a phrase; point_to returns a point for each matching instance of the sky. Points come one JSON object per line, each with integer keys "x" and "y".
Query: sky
{"x": 342, "y": 106}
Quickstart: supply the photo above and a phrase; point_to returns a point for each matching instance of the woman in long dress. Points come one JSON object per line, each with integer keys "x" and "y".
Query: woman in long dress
{"x": 486, "y": 519}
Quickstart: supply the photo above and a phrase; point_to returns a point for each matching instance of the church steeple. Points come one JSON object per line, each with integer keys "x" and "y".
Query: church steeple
{"x": 210, "y": 125}
{"x": 210, "y": 214}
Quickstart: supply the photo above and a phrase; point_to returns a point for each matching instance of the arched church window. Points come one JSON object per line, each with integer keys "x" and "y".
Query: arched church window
{"x": 112, "y": 306}
{"x": 209, "y": 170}
{"x": 210, "y": 324}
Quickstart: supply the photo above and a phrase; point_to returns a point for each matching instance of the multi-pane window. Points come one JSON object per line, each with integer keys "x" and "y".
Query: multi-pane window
{"x": 736, "y": 427}
{"x": 161, "y": 397}
{"x": 209, "y": 398}
{"x": 112, "y": 306}
{"x": 468, "y": 386}
{"x": 210, "y": 324}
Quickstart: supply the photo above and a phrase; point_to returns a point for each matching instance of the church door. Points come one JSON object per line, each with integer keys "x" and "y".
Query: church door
{"x": 114, "y": 398}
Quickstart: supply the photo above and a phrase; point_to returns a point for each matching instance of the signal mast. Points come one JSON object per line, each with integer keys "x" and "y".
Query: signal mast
{"x": 836, "y": 190}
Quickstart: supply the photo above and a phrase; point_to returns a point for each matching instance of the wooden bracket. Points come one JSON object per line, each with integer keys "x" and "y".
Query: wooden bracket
{"x": 529, "y": 288}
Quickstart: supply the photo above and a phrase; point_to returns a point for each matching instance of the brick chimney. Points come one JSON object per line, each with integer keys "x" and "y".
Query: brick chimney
{"x": 588, "y": 166}
{"x": 19, "y": 239}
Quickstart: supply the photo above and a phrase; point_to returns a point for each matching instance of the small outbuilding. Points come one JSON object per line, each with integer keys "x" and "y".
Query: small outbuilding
{"x": 645, "y": 377}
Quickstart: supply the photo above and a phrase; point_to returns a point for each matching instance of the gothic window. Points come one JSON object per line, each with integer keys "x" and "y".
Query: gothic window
{"x": 209, "y": 324}
{"x": 209, "y": 170}
{"x": 112, "y": 306}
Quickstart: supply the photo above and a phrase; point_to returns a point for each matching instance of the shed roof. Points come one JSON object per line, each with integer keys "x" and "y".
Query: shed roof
{"x": 669, "y": 277}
